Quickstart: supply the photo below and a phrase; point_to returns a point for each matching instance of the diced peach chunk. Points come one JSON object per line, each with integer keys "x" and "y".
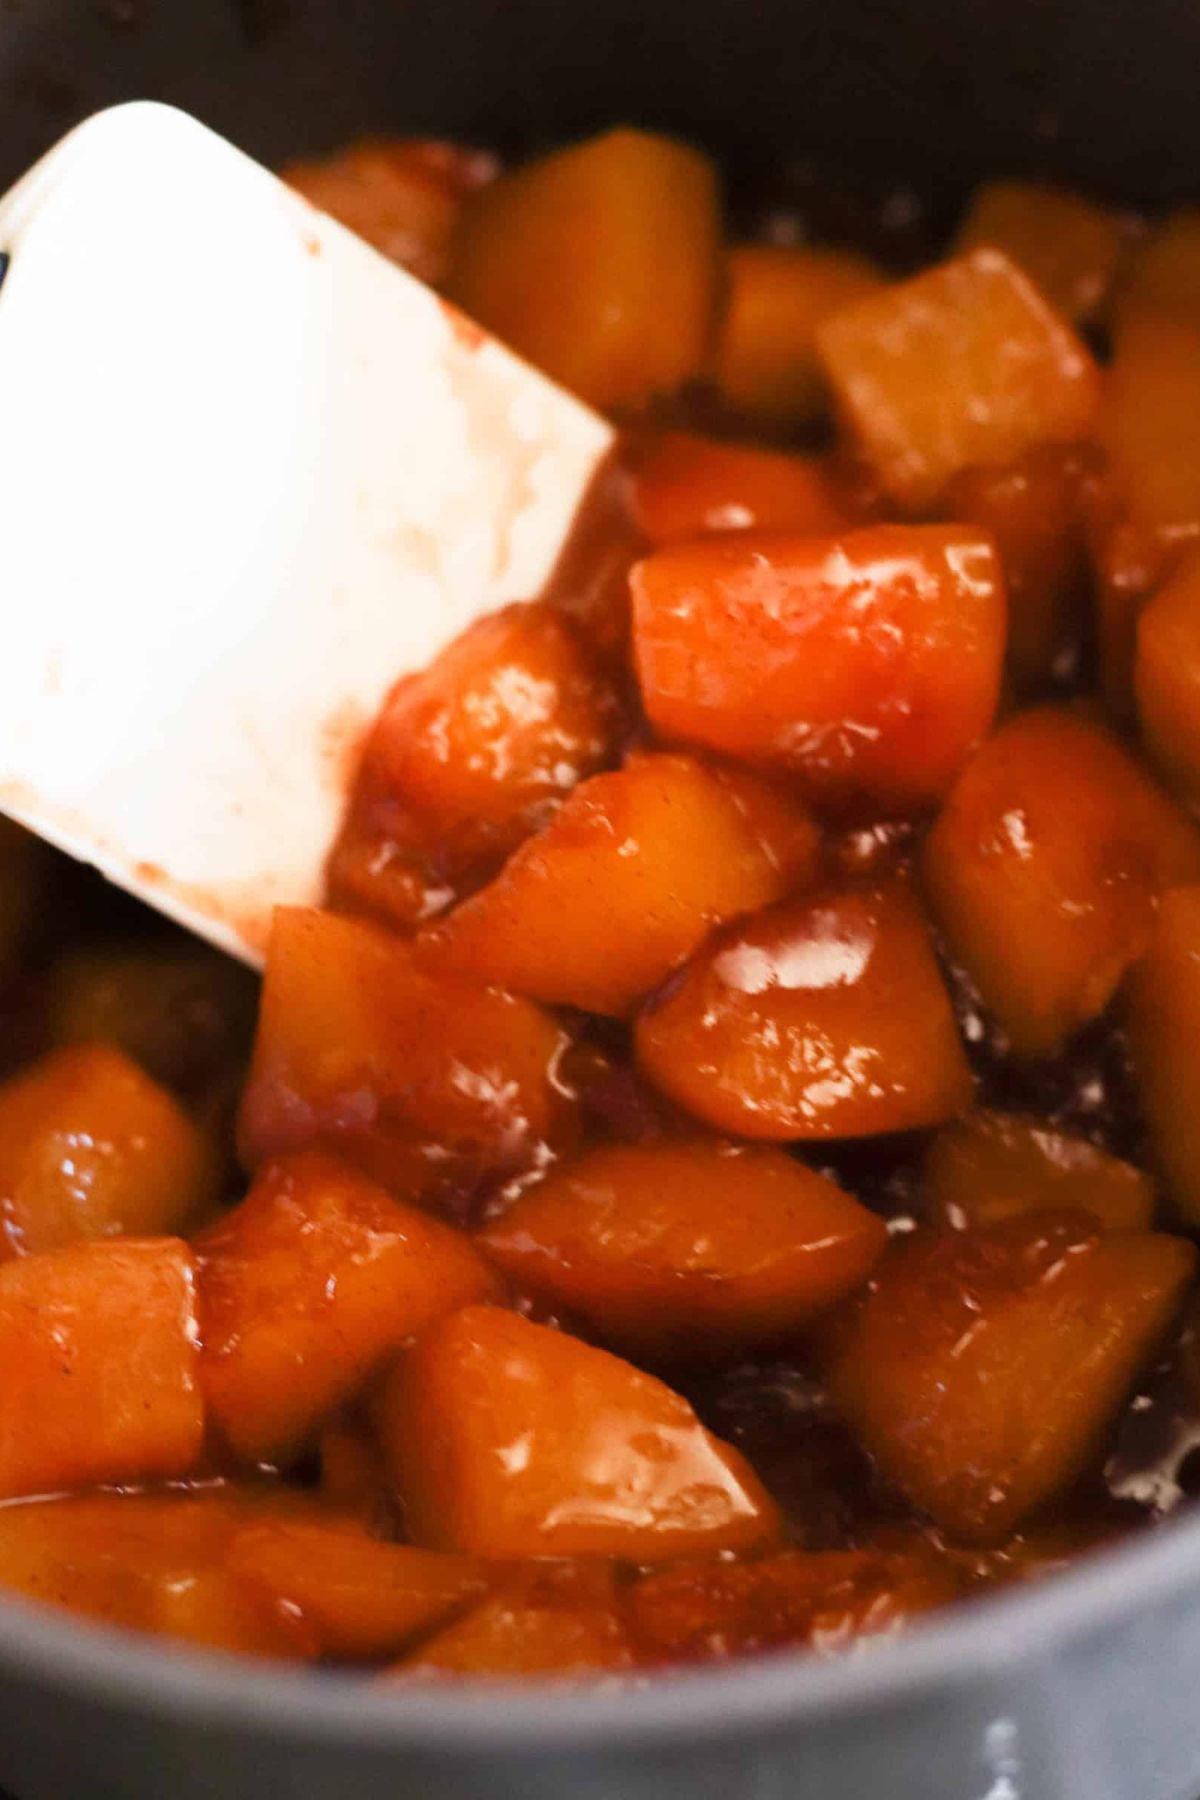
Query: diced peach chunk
{"x": 685, "y": 486}
{"x": 403, "y": 195}
{"x": 1166, "y": 678}
{"x": 99, "y": 1348}
{"x": 521, "y": 1634}
{"x": 510, "y": 1439}
{"x": 1150, "y": 423}
{"x": 90, "y": 1147}
{"x": 180, "y": 1009}
{"x": 992, "y": 1165}
{"x": 867, "y": 666}
{"x": 625, "y": 882}
{"x": 766, "y": 363}
{"x": 488, "y": 738}
{"x": 423, "y": 1078}
{"x": 824, "y": 1601}
{"x": 1163, "y": 275}
{"x": 600, "y": 263}
{"x": 984, "y": 1368}
{"x": 152, "y": 1562}
{"x": 1068, "y": 247}
{"x": 964, "y": 364}
{"x": 823, "y": 1017}
{"x": 359, "y": 1597}
{"x": 1043, "y": 869}
{"x": 305, "y": 1288}
{"x": 1163, "y": 1016}
{"x": 687, "y": 1249}
{"x": 1034, "y": 510}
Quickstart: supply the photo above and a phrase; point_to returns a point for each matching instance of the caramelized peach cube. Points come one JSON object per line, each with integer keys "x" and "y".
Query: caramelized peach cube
{"x": 509, "y": 1439}
{"x": 306, "y": 1287}
{"x": 600, "y": 263}
{"x": 965, "y": 364}
{"x": 687, "y": 1249}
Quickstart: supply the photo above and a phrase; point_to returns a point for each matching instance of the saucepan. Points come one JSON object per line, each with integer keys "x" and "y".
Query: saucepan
{"x": 1084, "y": 1688}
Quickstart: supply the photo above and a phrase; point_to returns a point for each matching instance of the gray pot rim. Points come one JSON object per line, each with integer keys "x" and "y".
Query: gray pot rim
{"x": 971, "y": 1643}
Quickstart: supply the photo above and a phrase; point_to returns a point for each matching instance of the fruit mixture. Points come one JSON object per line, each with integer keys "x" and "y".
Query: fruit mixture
{"x": 720, "y": 1173}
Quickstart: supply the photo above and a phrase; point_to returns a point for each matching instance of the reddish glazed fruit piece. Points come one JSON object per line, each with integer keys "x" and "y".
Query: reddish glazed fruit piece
{"x": 1034, "y": 511}
{"x": 766, "y": 363}
{"x": 1150, "y": 426}
{"x": 600, "y": 263}
{"x": 1068, "y": 247}
{"x": 424, "y": 1079}
{"x": 305, "y": 1288}
{"x": 485, "y": 741}
{"x": 1163, "y": 1016}
{"x": 92, "y": 1148}
{"x": 1163, "y": 276}
{"x": 359, "y": 1597}
{"x": 867, "y": 666}
{"x": 823, "y": 1601}
{"x": 965, "y": 364}
{"x": 529, "y": 1629}
{"x": 152, "y": 1562}
{"x": 404, "y": 195}
{"x": 824, "y": 1017}
{"x": 98, "y": 1343}
{"x": 983, "y": 1368}
{"x": 183, "y": 1011}
{"x": 626, "y": 881}
{"x": 508, "y": 1439}
{"x": 687, "y": 1249}
{"x": 1043, "y": 869}
{"x": 685, "y": 486}
{"x": 992, "y": 1165}
{"x": 1166, "y": 678}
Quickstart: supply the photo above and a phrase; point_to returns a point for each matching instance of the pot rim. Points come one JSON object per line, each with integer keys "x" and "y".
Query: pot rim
{"x": 970, "y": 1643}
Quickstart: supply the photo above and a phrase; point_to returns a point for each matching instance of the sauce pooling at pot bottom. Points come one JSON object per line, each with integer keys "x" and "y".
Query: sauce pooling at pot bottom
{"x": 719, "y": 1172}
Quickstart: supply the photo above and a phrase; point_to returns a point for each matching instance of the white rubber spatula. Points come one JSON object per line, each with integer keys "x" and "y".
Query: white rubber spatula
{"x": 250, "y": 473}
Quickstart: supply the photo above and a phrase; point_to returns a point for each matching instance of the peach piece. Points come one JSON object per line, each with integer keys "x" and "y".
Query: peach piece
{"x": 1163, "y": 1017}
{"x": 403, "y": 195}
{"x": 1034, "y": 511}
{"x": 180, "y": 1009}
{"x": 685, "y": 486}
{"x": 358, "y": 1596}
{"x": 523, "y": 1633}
{"x": 1068, "y": 247}
{"x": 867, "y": 666}
{"x": 964, "y": 364}
{"x": 600, "y": 263}
{"x": 687, "y": 1249}
{"x": 427, "y": 1080}
{"x": 824, "y": 1017}
{"x": 306, "y": 1287}
{"x": 1162, "y": 279}
{"x": 487, "y": 739}
{"x": 90, "y": 1147}
{"x": 509, "y": 1439}
{"x": 1043, "y": 869}
{"x": 824, "y": 1601}
{"x": 152, "y": 1562}
{"x": 625, "y": 882}
{"x": 99, "y": 1346}
{"x": 984, "y": 1368}
{"x": 989, "y": 1166}
{"x": 766, "y": 363}
{"x": 1166, "y": 678}
{"x": 1150, "y": 426}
